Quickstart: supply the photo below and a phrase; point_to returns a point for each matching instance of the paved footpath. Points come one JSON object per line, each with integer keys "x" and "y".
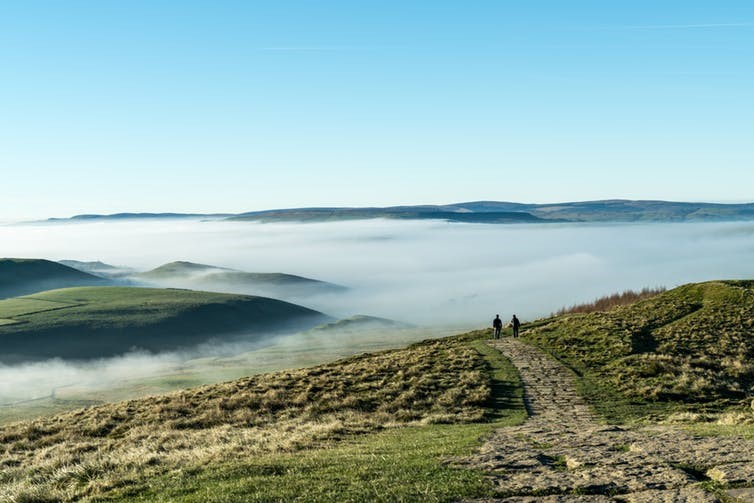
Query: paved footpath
{"x": 562, "y": 453}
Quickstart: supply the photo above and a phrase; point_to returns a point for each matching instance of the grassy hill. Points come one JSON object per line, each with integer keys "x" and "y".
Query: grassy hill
{"x": 24, "y": 276}
{"x": 360, "y": 322}
{"x": 688, "y": 348}
{"x": 208, "y": 277}
{"x": 336, "y": 431}
{"x": 93, "y": 322}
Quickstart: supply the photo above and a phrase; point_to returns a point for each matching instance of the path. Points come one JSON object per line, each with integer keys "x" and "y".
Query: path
{"x": 561, "y": 453}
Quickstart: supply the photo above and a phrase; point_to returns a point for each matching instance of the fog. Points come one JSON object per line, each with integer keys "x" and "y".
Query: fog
{"x": 428, "y": 273}
{"x": 433, "y": 274}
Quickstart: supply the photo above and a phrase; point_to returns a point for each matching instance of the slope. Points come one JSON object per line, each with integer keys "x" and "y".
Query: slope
{"x": 94, "y": 322}
{"x": 24, "y": 276}
{"x": 334, "y": 432}
{"x": 690, "y": 347}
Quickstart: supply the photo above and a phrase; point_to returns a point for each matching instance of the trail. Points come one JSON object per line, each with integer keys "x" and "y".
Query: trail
{"x": 562, "y": 453}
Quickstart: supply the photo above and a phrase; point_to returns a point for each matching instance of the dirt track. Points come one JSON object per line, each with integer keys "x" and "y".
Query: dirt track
{"x": 562, "y": 452}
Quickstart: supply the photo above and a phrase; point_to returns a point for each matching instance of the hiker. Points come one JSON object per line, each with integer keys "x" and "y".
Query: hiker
{"x": 497, "y": 324}
{"x": 515, "y": 324}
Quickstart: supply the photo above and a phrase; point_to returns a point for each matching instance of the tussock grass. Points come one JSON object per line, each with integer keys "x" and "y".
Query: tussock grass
{"x": 688, "y": 349}
{"x": 271, "y": 427}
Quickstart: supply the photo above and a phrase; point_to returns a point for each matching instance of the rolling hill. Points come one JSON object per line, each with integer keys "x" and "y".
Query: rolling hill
{"x": 95, "y": 322}
{"x": 98, "y": 268}
{"x": 207, "y": 277}
{"x": 693, "y": 345}
{"x": 24, "y": 276}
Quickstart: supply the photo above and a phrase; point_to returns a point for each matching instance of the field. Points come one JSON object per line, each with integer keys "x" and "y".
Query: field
{"x": 332, "y": 429}
{"x": 91, "y": 322}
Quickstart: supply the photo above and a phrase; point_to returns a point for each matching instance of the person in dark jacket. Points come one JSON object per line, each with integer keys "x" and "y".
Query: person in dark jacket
{"x": 515, "y": 324}
{"x": 497, "y": 324}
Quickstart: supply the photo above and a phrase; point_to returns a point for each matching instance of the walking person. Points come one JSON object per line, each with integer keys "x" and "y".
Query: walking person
{"x": 497, "y": 324}
{"x": 515, "y": 324}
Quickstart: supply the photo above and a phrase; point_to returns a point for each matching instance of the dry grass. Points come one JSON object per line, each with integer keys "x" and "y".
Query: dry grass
{"x": 92, "y": 451}
{"x": 609, "y": 302}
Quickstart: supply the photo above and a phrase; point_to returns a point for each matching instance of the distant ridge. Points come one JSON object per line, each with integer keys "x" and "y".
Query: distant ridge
{"x": 127, "y": 216}
{"x": 184, "y": 274}
{"x": 491, "y": 212}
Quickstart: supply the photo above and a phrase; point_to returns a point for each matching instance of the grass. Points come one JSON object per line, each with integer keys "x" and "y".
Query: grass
{"x": 92, "y": 322}
{"x": 375, "y": 426}
{"x": 686, "y": 350}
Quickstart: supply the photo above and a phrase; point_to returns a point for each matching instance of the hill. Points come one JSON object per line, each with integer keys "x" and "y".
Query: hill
{"x": 98, "y": 268}
{"x": 691, "y": 347}
{"x": 359, "y": 323}
{"x": 492, "y": 212}
{"x": 24, "y": 276}
{"x": 333, "y": 432}
{"x": 94, "y": 322}
{"x": 207, "y": 277}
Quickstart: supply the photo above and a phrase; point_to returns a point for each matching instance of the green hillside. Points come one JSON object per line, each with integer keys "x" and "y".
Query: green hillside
{"x": 92, "y": 322}
{"x": 24, "y": 276}
{"x": 692, "y": 346}
{"x": 334, "y": 432}
{"x": 201, "y": 276}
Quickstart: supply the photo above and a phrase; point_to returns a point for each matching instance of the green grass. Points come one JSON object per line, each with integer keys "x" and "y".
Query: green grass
{"x": 688, "y": 349}
{"x": 398, "y": 465}
{"x": 24, "y": 306}
{"x": 91, "y": 322}
{"x": 378, "y": 426}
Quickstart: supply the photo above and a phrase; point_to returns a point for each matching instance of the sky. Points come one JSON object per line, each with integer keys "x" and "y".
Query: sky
{"x": 235, "y": 106}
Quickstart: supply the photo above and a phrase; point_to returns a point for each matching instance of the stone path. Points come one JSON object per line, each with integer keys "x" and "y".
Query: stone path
{"x": 562, "y": 454}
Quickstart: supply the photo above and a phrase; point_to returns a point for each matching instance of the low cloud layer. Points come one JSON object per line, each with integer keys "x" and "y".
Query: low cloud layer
{"x": 431, "y": 273}
{"x": 434, "y": 274}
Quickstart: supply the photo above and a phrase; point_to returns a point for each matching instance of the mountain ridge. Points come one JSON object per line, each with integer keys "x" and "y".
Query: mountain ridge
{"x": 481, "y": 211}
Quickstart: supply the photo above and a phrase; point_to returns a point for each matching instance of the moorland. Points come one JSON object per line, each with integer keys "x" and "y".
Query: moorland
{"x": 383, "y": 426}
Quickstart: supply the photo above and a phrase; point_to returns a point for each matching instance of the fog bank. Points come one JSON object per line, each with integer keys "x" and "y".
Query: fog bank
{"x": 429, "y": 273}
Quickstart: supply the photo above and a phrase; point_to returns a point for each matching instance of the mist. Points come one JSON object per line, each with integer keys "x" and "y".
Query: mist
{"x": 440, "y": 276}
{"x": 427, "y": 273}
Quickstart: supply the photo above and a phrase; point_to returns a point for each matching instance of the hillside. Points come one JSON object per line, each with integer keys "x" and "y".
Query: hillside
{"x": 25, "y": 276}
{"x": 93, "y": 322}
{"x": 207, "y": 277}
{"x": 693, "y": 345}
{"x": 336, "y": 431}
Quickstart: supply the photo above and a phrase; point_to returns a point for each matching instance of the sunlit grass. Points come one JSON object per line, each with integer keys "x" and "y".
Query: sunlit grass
{"x": 375, "y": 425}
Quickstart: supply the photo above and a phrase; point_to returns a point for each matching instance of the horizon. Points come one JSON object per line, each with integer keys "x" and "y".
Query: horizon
{"x": 228, "y": 213}
{"x": 240, "y": 107}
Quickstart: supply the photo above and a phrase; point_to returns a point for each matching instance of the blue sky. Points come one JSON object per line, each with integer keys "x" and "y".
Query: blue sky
{"x": 235, "y": 106}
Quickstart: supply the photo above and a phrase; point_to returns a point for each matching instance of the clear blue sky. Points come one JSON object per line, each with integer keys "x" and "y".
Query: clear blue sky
{"x": 232, "y": 106}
